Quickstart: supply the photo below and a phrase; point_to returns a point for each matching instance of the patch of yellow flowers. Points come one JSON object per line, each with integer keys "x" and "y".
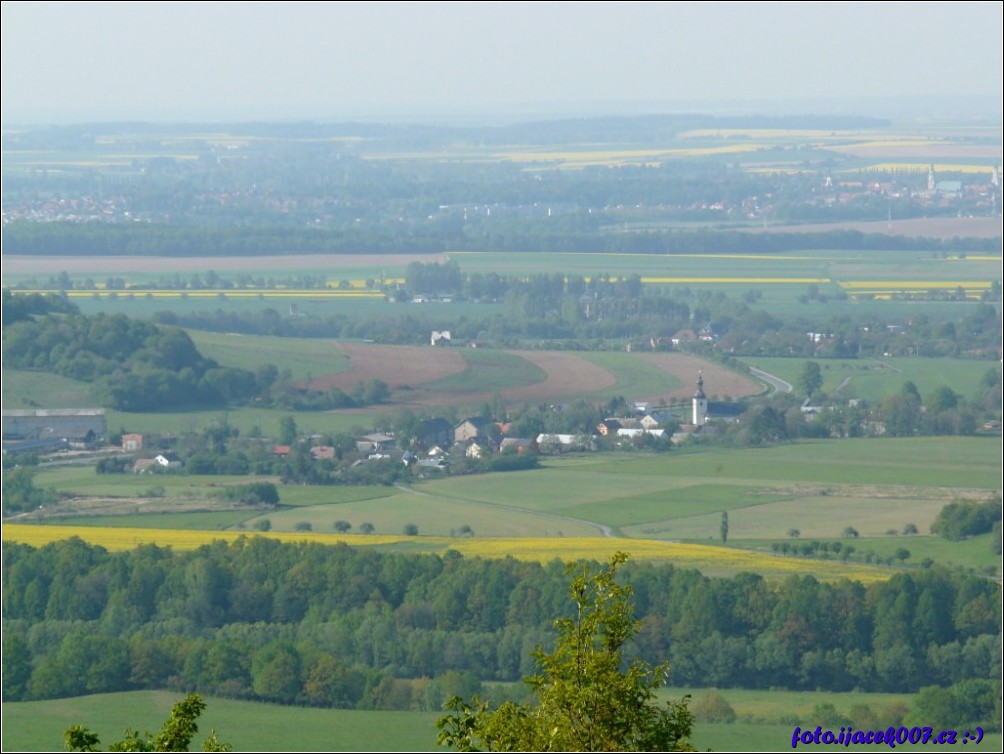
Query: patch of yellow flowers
{"x": 707, "y": 558}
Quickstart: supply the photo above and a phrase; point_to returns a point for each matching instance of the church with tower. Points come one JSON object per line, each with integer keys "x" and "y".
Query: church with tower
{"x": 700, "y": 417}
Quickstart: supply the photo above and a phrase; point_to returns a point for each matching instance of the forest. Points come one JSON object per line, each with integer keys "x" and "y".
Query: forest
{"x": 324, "y": 625}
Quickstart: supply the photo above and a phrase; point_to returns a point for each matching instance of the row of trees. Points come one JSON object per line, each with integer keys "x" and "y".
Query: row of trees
{"x": 314, "y": 624}
{"x": 544, "y": 317}
{"x": 780, "y": 418}
{"x": 963, "y": 519}
{"x": 579, "y": 233}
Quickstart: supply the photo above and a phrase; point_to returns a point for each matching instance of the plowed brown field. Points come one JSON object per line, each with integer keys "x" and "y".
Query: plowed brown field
{"x": 401, "y": 367}
{"x": 409, "y": 370}
{"x": 718, "y": 381}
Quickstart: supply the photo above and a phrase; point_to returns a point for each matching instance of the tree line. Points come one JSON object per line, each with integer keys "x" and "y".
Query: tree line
{"x": 136, "y": 365}
{"x": 305, "y": 623}
{"x": 501, "y": 236}
{"x": 539, "y": 313}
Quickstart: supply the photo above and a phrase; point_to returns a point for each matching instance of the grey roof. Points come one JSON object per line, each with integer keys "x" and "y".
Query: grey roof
{"x": 14, "y": 412}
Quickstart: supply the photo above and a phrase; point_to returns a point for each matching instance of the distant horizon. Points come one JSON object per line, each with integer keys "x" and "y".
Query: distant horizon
{"x": 93, "y": 61}
{"x": 933, "y": 109}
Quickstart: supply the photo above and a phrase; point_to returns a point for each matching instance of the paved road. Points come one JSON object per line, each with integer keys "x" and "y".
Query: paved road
{"x": 776, "y": 383}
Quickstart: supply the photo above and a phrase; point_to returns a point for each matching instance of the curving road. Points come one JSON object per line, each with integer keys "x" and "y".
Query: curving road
{"x": 775, "y": 383}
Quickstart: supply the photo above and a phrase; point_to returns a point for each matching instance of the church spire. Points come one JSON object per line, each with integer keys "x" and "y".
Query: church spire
{"x": 700, "y": 412}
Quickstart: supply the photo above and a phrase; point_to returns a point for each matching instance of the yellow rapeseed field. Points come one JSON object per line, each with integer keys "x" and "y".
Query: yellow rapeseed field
{"x": 707, "y": 558}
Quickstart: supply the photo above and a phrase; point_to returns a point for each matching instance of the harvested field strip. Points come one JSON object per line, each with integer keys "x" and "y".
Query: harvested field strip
{"x": 738, "y": 280}
{"x": 567, "y": 375}
{"x": 915, "y": 284}
{"x": 221, "y": 293}
{"x": 595, "y": 255}
{"x": 401, "y": 367}
{"x": 703, "y": 557}
{"x": 604, "y": 156}
{"x": 769, "y": 133}
{"x": 718, "y": 380}
{"x": 921, "y": 167}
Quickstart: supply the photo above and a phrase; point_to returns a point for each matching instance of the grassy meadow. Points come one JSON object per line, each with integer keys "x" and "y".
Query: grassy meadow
{"x": 873, "y": 379}
{"x": 247, "y": 726}
{"x": 588, "y": 505}
{"x": 305, "y": 358}
{"x": 256, "y": 726}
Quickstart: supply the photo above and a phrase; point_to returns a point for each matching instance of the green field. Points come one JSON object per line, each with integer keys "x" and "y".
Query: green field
{"x": 975, "y": 552}
{"x": 488, "y": 370}
{"x": 873, "y": 379}
{"x": 247, "y": 726}
{"x": 634, "y": 376}
{"x": 305, "y": 358}
{"x": 23, "y": 389}
{"x": 781, "y": 280}
{"x": 254, "y": 726}
{"x": 818, "y": 487}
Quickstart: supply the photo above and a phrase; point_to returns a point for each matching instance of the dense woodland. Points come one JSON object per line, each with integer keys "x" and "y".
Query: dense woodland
{"x": 337, "y": 626}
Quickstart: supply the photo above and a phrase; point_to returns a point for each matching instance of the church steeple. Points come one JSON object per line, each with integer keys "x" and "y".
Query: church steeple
{"x": 700, "y": 403}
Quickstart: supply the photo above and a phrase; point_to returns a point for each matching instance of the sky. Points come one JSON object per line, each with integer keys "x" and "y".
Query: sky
{"x": 206, "y": 61}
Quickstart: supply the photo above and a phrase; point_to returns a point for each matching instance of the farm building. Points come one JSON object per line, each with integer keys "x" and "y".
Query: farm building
{"x": 132, "y": 442}
{"x": 471, "y": 428}
{"x": 77, "y": 426}
{"x": 436, "y": 431}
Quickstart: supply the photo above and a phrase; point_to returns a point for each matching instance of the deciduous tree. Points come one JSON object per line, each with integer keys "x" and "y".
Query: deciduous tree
{"x": 175, "y": 735}
{"x": 588, "y": 699}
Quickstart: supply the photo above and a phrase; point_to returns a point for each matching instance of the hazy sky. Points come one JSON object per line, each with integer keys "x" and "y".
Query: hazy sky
{"x": 218, "y": 60}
